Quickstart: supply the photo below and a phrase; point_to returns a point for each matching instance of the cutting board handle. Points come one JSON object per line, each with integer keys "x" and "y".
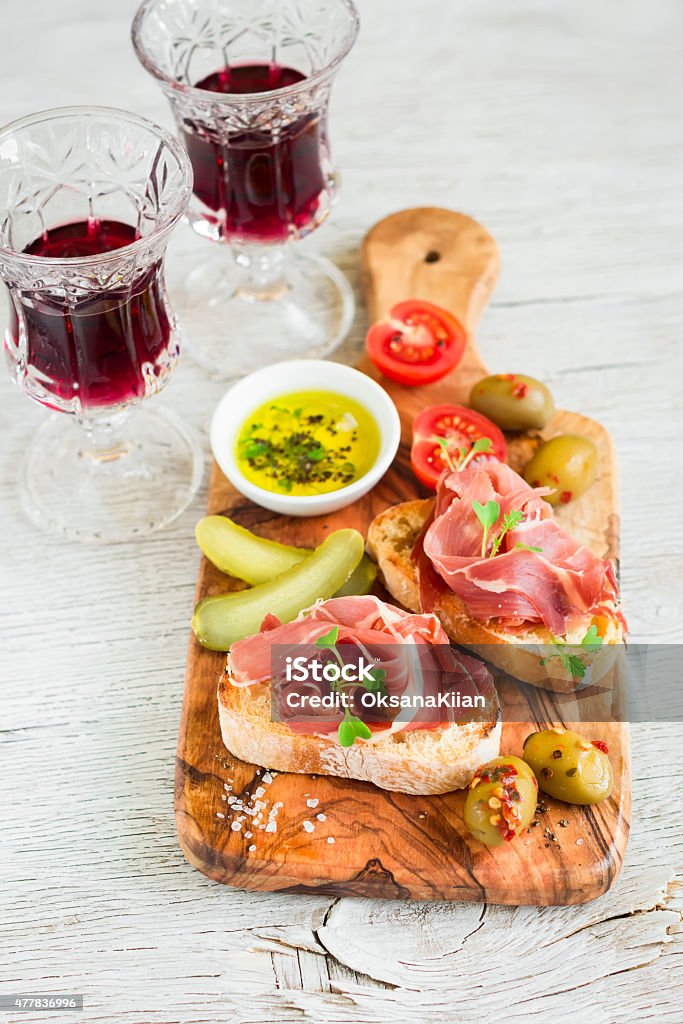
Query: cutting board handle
{"x": 441, "y": 256}
{"x": 430, "y": 253}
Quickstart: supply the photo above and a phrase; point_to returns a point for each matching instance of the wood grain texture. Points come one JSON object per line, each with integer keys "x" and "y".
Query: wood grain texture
{"x": 559, "y": 124}
{"x": 391, "y": 845}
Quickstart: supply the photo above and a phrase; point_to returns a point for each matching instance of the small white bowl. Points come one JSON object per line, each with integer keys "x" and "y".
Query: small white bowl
{"x": 284, "y": 379}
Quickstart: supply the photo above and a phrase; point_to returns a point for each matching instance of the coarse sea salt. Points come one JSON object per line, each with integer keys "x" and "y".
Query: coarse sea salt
{"x": 312, "y": 803}
{"x": 271, "y": 826}
{"x": 236, "y": 826}
{"x": 252, "y": 848}
{"x": 219, "y": 815}
{"x": 309, "y": 826}
{"x": 330, "y": 839}
{"x": 260, "y": 791}
{"x": 321, "y": 817}
{"x": 267, "y": 778}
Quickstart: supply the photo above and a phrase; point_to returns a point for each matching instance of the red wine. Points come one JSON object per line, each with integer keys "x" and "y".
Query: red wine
{"x": 262, "y": 182}
{"x": 100, "y": 348}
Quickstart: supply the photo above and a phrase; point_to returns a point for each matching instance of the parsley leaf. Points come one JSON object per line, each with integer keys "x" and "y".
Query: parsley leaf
{"x": 572, "y": 662}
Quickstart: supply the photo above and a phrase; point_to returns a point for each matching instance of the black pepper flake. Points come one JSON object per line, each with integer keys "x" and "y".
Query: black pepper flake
{"x": 542, "y": 808}
{"x": 549, "y": 834}
{"x": 563, "y": 822}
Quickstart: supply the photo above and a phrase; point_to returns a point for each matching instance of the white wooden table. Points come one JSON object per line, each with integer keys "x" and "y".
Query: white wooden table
{"x": 558, "y": 125}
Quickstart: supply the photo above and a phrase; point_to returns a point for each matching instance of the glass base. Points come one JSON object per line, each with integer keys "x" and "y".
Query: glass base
{"x": 136, "y": 482}
{"x": 231, "y": 331}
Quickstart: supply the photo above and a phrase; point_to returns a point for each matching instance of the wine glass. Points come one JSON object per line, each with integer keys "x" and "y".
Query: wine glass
{"x": 89, "y": 196}
{"x": 249, "y": 86}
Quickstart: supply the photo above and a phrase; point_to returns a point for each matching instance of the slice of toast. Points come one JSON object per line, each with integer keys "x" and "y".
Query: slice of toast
{"x": 417, "y": 761}
{"x": 391, "y": 537}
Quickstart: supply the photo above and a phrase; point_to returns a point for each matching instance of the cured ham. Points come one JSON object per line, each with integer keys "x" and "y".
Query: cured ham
{"x": 538, "y": 575}
{"x": 365, "y": 620}
{"x": 413, "y": 651}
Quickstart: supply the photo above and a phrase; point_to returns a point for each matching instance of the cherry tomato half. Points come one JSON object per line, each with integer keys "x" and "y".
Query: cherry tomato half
{"x": 417, "y": 343}
{"x": 462, "y": 427}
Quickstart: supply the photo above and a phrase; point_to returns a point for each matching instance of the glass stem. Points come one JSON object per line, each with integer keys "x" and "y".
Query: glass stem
{"x": 262, "y": 268}
{"x": 105, "y": 440}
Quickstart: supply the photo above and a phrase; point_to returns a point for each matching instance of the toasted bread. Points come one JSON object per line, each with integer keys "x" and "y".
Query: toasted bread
{"x": 391, "y": 537}
{"x": 418, "y": 761}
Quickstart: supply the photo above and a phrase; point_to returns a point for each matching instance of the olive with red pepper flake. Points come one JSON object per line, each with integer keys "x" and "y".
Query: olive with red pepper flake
{"x": 513, "y": 401}
{"x": 569, "y": 767}
{"x": 501, "y": 800}
{"x": 568, "y": 463}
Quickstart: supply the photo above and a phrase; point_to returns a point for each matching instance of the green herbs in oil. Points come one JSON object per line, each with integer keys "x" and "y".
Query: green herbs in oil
{"x": 311, "y": 442}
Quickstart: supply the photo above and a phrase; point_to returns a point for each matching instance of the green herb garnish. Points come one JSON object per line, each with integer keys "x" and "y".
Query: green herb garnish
{"x": 592, "y": 640}
{"x": 484, "y": 444}
{"x": 510, "y": 520}
{"x": 329, "y": 640}
{"x": 290, "y": 450}
{"x": 572, "y": 662}
{"x": 377, "y": 685}
{"x": 255, "y": 447}
{"x": 351, "y": 726}
{"x": 488, "y": 516}
{"x": 465, "y": 455}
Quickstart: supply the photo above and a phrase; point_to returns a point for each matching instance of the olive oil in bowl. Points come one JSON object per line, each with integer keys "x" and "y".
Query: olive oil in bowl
{"x": 307, "y": 443}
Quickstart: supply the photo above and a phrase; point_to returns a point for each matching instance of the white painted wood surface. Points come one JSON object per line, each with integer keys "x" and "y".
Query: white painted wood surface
{"x": 558, "y": 126}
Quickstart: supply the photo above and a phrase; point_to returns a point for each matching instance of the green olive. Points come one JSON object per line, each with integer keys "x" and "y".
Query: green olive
{"x": 501, "y": 800}
{"x": 568, "y": 463}
{"x": 568, "y": 766}
{"x": 513, "y": 401}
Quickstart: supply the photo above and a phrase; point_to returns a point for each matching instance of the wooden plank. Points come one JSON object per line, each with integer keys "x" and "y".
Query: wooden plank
{"x": 388, "y": 844}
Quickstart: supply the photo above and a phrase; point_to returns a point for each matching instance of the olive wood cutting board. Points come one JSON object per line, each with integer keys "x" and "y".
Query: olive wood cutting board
{"x": 371, "y": 842}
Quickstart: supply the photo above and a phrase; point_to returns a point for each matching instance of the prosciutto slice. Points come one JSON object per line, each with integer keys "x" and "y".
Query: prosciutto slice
{"x": 365, "y": 620}
{"x": 413, "y": 650}
{"x": 557, "y": 586}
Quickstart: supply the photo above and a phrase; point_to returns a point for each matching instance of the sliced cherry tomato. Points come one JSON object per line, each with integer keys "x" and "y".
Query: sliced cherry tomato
{"x": 461, "y": 427}
{"x": 417, "y": 343}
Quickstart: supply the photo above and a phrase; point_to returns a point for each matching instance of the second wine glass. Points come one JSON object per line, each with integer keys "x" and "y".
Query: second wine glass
{"x": 249, "y": 88}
